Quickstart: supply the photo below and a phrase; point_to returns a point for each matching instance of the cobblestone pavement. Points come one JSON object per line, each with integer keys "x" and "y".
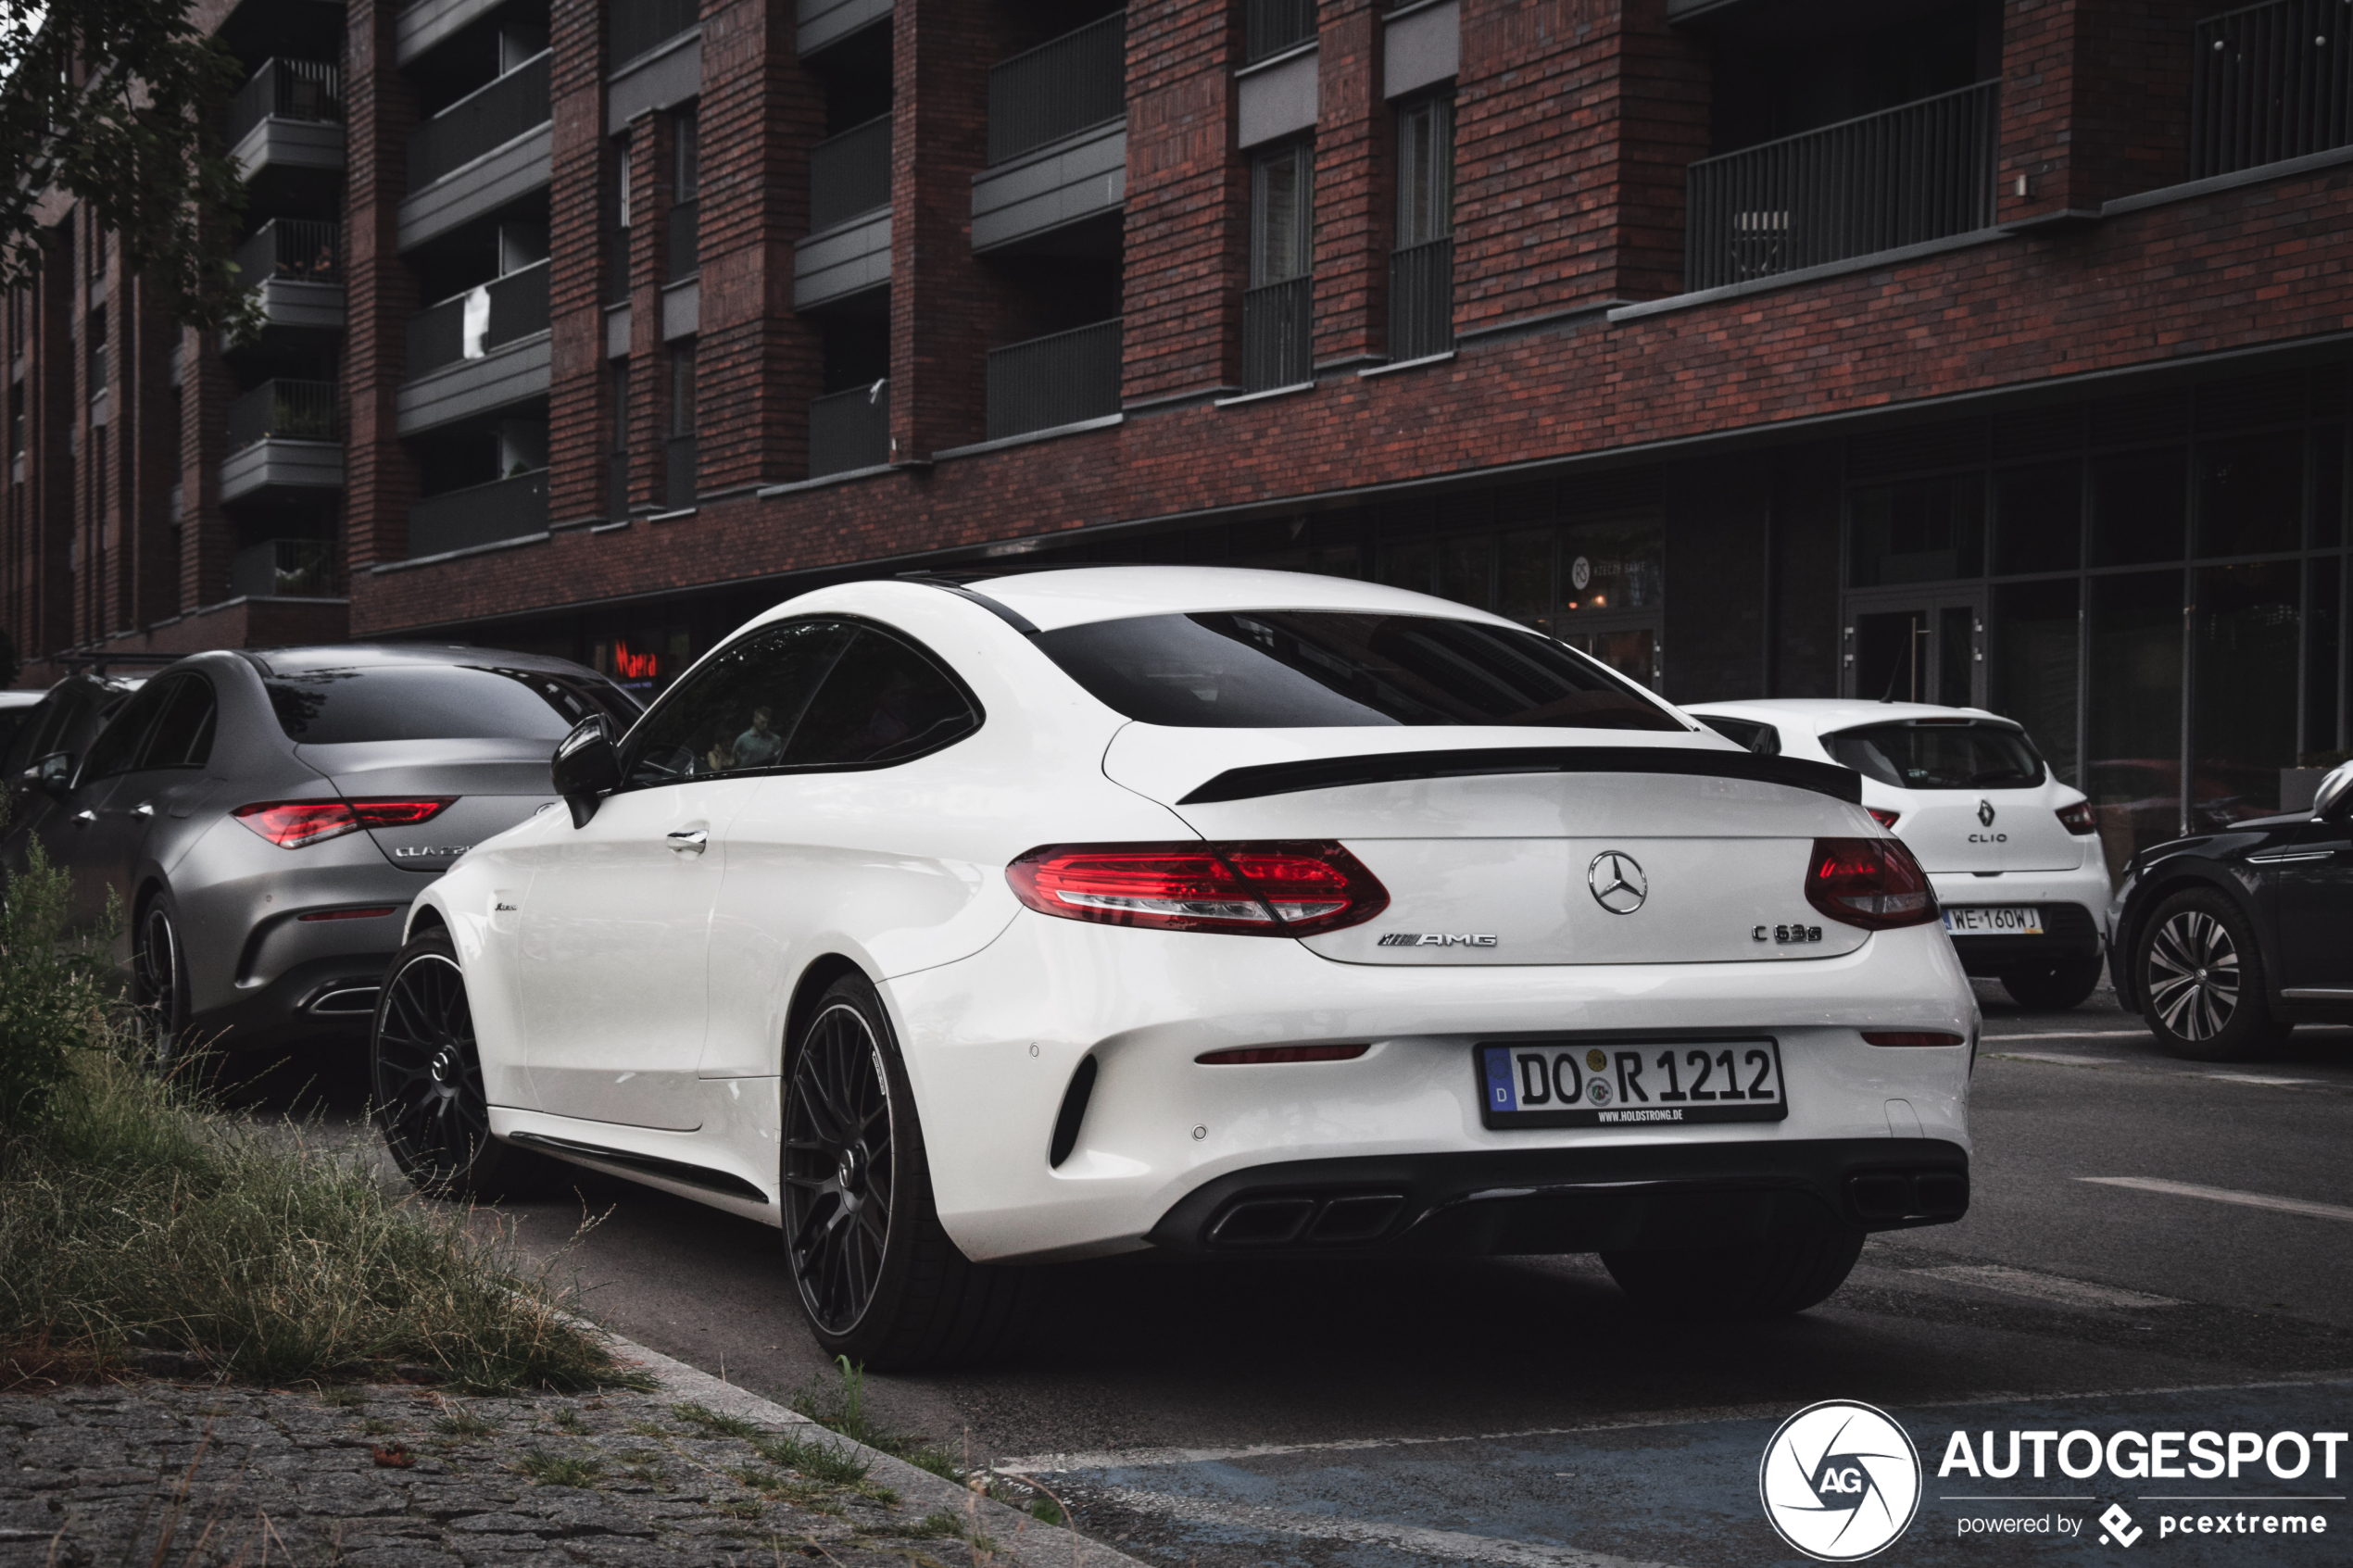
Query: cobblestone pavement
{"x": 400, "y": 1476}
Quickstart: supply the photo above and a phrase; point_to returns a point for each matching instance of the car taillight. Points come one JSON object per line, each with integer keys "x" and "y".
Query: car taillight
{"x": 1277, "y": 889}
{"x": 1884, "y": 818}
{"x": 1873, "y": 883}
{"x": 292, "y": 824}
{"x": 2079, "y": 817}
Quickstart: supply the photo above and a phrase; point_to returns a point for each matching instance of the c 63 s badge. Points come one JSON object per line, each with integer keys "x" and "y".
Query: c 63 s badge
{"x": 1435, "y": 939}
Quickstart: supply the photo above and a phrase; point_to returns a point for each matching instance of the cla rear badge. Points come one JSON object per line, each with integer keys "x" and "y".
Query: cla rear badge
{"x": 1434, "y": 939}
{"x": 1618, "y": 882}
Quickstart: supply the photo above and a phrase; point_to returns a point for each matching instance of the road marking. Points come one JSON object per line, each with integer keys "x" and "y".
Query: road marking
{"x": 2256, "y": 1078}
{"x": 2060, "y": 1058}
{"x": 2069, "y": 1034}
{"x": 1444, "y": 1546}
{"x": 2042, "y": 1287}
{"x": 2224, "y": 1195}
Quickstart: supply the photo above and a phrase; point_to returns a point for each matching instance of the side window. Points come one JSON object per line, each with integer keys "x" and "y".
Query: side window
{"x": 117, "y": 748}
{"x": 182, "y": 737}
{"x": 884, "y": 702}
{"x": 736, "y": 710}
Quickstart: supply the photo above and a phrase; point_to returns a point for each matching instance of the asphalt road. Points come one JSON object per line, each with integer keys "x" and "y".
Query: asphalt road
{"x": 2151, "y": 1242}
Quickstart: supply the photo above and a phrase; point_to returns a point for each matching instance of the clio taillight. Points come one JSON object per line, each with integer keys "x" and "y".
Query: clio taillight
{"x": 1873, "y": 883}
{"x": 2079, "y": 817}
{"x": 1253, "y": 889}
{"x": 292, "y": 824}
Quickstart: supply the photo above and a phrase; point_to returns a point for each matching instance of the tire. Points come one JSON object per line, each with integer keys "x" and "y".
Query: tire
{"x": 1760, "y": 1282}
{"x": 876, "y": 1276}
{"x": 2054, "y": 987}
{"x": 159, "y": 985}
{"x": 2200, "y": 973}
{"x": 426, "y": 1079}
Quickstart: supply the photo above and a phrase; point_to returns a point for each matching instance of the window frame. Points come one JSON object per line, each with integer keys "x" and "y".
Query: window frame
{"x": 1300, "y": 151}
{"x": 1439, "y": 107}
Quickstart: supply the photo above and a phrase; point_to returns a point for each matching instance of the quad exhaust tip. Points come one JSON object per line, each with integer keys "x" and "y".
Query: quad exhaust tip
{"x": 1346, "y": 1220}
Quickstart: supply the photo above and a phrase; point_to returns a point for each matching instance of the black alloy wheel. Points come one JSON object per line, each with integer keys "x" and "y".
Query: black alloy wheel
{"x": 877, "y": 1276}
{"x": 159, "y": 985}
{"x": 427, "y": 1075}
{"x": 2201, "y": 980}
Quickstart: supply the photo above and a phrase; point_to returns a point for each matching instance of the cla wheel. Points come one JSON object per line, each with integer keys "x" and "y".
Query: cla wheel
{"x": 428, "y": 1078}
{"x": 159, "y": 984}
{"x": 2201, "y": 980}
{"x": 878, "y": 1277}
{"x": 1739, "y": 1282}
{"x": 2053, "y": 987}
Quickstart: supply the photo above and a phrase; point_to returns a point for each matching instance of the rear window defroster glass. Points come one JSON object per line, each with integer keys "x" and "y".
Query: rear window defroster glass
{"x": 1263, "y": 670}
{"x": 437, "y": 702}
{"x": 1940, "y": 756}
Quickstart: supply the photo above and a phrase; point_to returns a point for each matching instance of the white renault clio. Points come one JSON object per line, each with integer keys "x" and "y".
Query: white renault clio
{"x": 2014, "y": 855}
{"x": 952, "y": 927}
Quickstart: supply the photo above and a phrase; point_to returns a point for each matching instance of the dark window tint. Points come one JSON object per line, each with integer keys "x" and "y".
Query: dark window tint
{"x": 434, "y": 702}
{"x": 883, "y": 702}
{"x": 1940, "y": 756}
{"x": 737, "y": 709}
{"x": 2139, "y": 501}
{"x": 182, "y": 736}
{"x": 117, "y": 748}
{"x": 1262, "y": 670}
{"x": 1763, "y": 739}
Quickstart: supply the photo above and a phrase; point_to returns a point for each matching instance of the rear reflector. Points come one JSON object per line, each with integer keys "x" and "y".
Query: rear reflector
{"x": 1884, "y": 818}
{"x": 1872, "y": 883}
{"x": 1257, "y": 1056}
{"x": 2079, "y": 817}
{"x": 1910, "y": 1037}
{"x": 292, "y": 824}
{"x": 346, "y": 914}
{"x": 1255, "y": 889}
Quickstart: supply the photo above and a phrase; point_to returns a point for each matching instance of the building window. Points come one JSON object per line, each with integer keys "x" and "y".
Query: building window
{"x": 617, "y": 237}
{"x": 1421, "y": 270}
{"x": 617, "y": 493}
{"x": 687, "y": 175}
{"x": 1277, "y": 342}
{"x": 679, "y": 457}
{"x": 1269, "y": 26}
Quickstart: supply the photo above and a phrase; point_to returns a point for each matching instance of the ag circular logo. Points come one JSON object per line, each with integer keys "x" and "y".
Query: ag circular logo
{"x": 1840, "y": 1481}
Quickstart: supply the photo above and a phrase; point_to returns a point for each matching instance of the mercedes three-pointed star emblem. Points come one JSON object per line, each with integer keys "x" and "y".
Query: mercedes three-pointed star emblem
{"x": 1618, "y": 882}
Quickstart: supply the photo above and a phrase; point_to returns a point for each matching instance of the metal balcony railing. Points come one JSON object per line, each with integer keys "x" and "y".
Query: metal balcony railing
{"x": 299, "y": 250}
{"x": 1921, "y": 171}
{"x": 848, "y": 430}
{"x": 480, "y": 514}
{"x": 1277, "y": 342}
{"x": 678, "y": 472}
{"x": 636, "y": 27}
{"x": 283, "y": 410}
{"x": 1421, "y": 299}
{"x": 470, "y": 325}
{"x": 1059, "y": 89}
{"x": 685, "y": 239}
{"x": 490, "y": 116}
{"x": 274, "y": 567}
{"x": 850, "y": 175}
{"x": 2269, "y": 82}
{"x": 308, "y": 90}
{"x": 1058, "y": 380}
{"x": 1269, "y": 26}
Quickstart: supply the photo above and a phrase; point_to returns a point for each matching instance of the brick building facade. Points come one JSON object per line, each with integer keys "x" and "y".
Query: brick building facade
{"x": 1973, "y": 350}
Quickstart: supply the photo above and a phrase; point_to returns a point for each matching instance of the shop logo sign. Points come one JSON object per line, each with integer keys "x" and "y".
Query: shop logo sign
{"x": 2121, "y": 1531}
{"x": 1840, "y": 1481}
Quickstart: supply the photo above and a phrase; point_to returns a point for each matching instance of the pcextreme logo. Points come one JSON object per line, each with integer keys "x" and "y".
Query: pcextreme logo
{"x": 1840, "y": 1481}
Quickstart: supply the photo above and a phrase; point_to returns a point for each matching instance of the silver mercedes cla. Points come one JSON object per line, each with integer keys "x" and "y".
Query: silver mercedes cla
{"x": 266, "y": 818}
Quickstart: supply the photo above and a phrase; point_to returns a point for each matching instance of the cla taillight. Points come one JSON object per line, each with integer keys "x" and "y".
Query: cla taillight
{"x": 292, "y": 824}
{"x": 1883, "y": 816}
{"x": 2079, "y": 817}
{"x": 1258, "y": 889}
{"x": 1873, "y": 883}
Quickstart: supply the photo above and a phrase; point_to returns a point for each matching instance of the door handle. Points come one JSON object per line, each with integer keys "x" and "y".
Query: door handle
{"x": 145, "y": 809}
{"x": 84, "y": 817}
{"x": 691, "y": 841}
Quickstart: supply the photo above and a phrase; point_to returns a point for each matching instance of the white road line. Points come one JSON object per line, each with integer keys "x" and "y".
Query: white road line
{"x": 1446, "y": 1546}
{"x": 2042, "y": 1287}
{"x": 1985, "y": 1040}
{"x": 2060, "y": 1058}
{"x": 2224, "y": 1195}
{"x": 2256, "y": 1078}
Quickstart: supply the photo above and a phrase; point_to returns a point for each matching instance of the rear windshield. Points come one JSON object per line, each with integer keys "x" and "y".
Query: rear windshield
{"x": 1763, "y": 739}
{"x": 1940, "y": 756}
{"x": 439, "y": 702}
{"x": 1267, "y": 669}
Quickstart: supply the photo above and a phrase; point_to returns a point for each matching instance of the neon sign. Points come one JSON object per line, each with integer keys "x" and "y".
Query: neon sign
{"x": 634, "y": 666}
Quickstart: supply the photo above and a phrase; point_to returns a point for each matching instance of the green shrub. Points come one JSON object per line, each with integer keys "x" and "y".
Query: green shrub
{"x": 54, "y": 991}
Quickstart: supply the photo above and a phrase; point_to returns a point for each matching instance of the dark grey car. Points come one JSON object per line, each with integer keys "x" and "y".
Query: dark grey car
{"x": 266, "y": 818}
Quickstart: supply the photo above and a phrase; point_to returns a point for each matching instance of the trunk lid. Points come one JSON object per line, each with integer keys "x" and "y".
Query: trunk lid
{"x": 497, "y": 784}
{"x": 2012, "y": 830}
{"x": 1541, "y": 864}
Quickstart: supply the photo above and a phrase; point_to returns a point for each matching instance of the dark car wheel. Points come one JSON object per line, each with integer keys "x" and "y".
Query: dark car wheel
{"x": 2200, "y": 974}
{"x": 1739, "y": 1282}
{"x": 160, "y": 983}
{"x": 427, "y": 1079}
{"x": 878, "y": 1277}
{"x": 2054, "y": 987}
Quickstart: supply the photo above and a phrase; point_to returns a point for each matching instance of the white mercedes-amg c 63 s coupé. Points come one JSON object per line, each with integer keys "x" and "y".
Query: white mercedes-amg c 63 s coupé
{"x": 954, "y": 927}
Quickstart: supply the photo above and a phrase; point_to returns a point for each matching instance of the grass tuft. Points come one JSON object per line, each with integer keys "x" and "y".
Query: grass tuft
{"x": 715, "y": 1425}
{"x": 463, "y": 1422}
{"x": 560, "y": 1470}
{"x": 827, "y": 1463}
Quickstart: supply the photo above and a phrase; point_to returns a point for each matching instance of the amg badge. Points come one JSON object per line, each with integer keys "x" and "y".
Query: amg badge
{"x": 1434, "y": 939}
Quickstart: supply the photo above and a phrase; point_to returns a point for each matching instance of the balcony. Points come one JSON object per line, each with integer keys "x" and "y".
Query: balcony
{"x": 639, "y": 27}
{"x": 2268, "y": 84}
{"x": 296, "y": 265}
{"x": 654, "y": 54}
{"x": 1269, "y": 26}
{"x": 1277, "y": 346}
{"x": 1920, "y": 171}
{"x": 284, "y": 568}
{"x": 485, "y": 150}
{"x": 818, "y": 23}
{"x": 1060, "y": 380}
{"x": 287, "y": 116}
{"x": 1057, "y": 136}
{"x": 1421, "y": 299}
{"x": 471, "y": 325}
{"x": 480, "y": 514}
{"x": 848, "y": 251}
{"x": 426, "y": 25}
{"x": 284, "y": 435}
{"x": 848, "y": 430}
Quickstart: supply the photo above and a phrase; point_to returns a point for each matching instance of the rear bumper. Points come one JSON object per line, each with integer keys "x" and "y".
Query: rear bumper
{"x": 1554, "y": 1200}
{"x": 2074, "y": 905}
{"x": 330, "y": 996}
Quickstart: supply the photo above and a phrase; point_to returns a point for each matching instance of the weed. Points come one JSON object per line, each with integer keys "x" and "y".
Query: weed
{"x": 842, "y": 1408}
{"x": 712, "y": 1423}
{"x": 827, "y": 1463}
{"x": 343, "y": 1397}
{"x": 377, "y": 1426}
{"x": 649, "y": 1429}
{"x": 740, "y": 1508}
{"x": 56, "y": 993}
{"x": 569, "y": 1420}
{"x": 1046, "y": 1508}
{"x": 560, "y": 1470}
{"x": 463, "y": 1422}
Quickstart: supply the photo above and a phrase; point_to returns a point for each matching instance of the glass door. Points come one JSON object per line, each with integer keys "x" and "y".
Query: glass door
{"x": 1917, "y": 649}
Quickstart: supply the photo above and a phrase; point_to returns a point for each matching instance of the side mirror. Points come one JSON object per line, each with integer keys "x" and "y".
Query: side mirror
{"x": 2333, "y": 801}
{"x": 587, "y": 767}
{"x": 53, "y": 775}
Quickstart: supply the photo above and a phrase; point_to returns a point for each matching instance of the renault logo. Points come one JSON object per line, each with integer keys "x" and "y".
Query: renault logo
{"x": 1618, "y": 882}
{"x": 1985, "y": 813}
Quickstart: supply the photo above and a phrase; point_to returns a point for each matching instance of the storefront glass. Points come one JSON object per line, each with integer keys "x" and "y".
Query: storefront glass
{"x": 2036, "y": 626}
{"x": 2133, "y": 736}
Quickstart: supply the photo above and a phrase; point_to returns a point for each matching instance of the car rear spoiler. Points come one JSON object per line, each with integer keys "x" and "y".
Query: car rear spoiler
{"x": 1335, "y": 772}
